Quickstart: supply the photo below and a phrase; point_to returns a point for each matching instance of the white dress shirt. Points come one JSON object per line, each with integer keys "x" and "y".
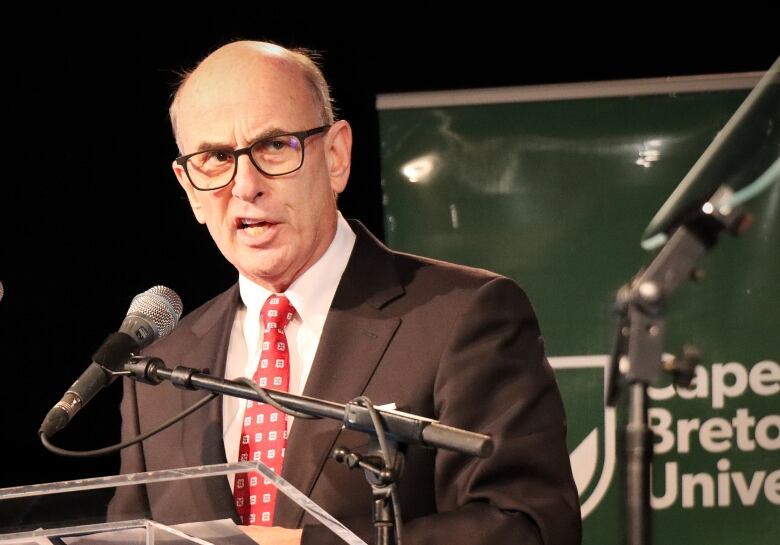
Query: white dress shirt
{"x": 311, "y": 295}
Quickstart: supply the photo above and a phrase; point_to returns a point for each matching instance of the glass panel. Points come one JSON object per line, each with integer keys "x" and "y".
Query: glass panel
{"x": 81, "y": 506}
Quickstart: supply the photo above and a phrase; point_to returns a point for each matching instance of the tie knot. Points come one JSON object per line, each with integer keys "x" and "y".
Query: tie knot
{"x": 277, "y": 312}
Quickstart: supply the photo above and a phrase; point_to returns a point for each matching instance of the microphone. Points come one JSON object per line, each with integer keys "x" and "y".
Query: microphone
{"x": 152, "y": 315}
{"x": 2, "y": 291}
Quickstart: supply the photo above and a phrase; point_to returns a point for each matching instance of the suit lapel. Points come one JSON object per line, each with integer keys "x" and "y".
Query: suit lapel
{"x": 202, "y": 430}
{"x": 354, "y": 338}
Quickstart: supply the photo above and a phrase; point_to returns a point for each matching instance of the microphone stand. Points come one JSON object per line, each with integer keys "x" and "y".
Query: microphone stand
{"x": 637, "y": 356}
{"x": 399, "y": 428}
{"x": 381, "y": 478}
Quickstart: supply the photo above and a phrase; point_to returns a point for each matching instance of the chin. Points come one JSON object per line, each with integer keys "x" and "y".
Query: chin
{"x": 263, "y": 276}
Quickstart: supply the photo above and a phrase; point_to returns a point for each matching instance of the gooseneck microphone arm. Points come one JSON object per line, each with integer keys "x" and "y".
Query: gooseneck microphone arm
{"x": 399, "y": 426}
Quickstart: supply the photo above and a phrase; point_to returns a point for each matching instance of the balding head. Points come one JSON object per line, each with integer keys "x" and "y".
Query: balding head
{"x": 229, "y": 65}
{"x": 247, "y": 104}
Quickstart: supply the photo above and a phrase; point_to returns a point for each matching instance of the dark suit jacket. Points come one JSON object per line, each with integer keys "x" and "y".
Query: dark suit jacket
{"x": 453, "y": 343}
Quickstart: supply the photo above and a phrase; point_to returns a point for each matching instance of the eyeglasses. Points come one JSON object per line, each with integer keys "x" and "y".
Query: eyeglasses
{"x": 273, "y": 156}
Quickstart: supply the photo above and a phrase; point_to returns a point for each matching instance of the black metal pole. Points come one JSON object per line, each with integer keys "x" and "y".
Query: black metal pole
{"x": 382, "y": 516}
{"x": 638, "y": 458}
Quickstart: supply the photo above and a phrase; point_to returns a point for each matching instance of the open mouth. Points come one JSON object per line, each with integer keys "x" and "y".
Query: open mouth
{"x": 254, "y": 227}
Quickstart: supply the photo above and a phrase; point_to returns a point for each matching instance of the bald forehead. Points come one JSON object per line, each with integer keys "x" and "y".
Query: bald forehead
{"x": 246, "y": 56}
{"x": 243, "y": 68}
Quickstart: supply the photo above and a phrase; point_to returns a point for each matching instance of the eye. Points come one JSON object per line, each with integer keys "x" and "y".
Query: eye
{"x": 211, "y": 161}
{"x": 277, "y": 144}
{"x": 217, "y": 156}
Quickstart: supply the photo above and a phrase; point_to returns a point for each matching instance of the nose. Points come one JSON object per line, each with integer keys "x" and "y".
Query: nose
{"x": 248, "y": 183}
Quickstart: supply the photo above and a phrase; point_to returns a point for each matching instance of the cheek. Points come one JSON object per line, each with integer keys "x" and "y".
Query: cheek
{"x": 214, "y": 215}
{"x": 309, "y": 209}
{"x": 316, "y": 213}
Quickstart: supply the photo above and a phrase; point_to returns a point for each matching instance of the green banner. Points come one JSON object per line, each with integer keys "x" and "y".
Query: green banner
{"x": 554, "y": 186}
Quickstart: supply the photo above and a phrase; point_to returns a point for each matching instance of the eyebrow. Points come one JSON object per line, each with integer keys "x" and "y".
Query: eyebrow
{"x": 268, "y": 133}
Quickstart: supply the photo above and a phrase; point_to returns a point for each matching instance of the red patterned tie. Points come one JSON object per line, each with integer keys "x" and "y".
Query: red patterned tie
{"x": 264, "y": 434}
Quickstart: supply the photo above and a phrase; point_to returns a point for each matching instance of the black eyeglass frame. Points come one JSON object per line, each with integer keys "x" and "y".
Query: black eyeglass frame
{"x": 301, "y": 136}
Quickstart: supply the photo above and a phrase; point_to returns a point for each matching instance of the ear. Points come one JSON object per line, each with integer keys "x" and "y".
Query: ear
{"x": 338, "y": 153}
{"x": 192, "y": 194}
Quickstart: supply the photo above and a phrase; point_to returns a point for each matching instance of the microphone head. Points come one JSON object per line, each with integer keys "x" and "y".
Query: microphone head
{"x": 1, "y": 291}
{"x": 160, "y": 306}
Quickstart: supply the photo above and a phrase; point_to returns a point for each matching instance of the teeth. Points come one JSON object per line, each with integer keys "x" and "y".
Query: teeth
{"x": 256, "y": 230}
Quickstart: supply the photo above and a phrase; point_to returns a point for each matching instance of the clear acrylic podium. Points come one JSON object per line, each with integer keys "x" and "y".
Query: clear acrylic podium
{"x": 144, "y": 531}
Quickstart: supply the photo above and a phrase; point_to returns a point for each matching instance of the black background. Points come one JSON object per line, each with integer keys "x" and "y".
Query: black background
{"x": 91, "y": 215}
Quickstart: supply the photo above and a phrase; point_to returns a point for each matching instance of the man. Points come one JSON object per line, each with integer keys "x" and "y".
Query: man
{"x": 262, "y": 162}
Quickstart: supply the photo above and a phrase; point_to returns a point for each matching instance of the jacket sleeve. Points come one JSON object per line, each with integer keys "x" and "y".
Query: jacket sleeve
{"x": 493, "y": 377}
